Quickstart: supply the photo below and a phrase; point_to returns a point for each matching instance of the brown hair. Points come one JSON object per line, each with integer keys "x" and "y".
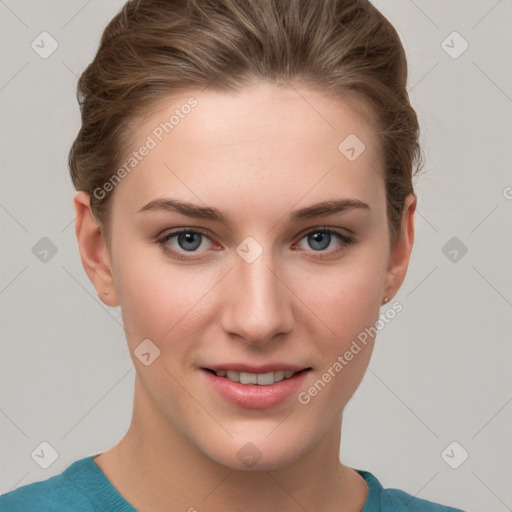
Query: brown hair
{"x": 155, "y": 48}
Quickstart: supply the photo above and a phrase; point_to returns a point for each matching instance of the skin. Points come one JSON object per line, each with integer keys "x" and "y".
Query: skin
{"x": 256, "y": 155}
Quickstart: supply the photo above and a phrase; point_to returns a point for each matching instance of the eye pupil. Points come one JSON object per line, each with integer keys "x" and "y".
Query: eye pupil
{"x": 316, "y": 240}
{"x": 188, "y": 238}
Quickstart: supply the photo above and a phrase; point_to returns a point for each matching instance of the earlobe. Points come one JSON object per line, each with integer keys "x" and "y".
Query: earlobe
{"x": 400, "y": 250}
{"x": 93, "y": 250}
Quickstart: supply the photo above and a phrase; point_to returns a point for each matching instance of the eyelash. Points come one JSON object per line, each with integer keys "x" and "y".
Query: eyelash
{"x": 162, "y": 241}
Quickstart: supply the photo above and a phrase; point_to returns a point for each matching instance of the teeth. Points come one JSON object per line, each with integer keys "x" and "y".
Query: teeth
{"x": 262, "y": 379}
{"x": 248, "y": 378}
{"x": 279, "y": 375}
{"x": 232, "y": 375}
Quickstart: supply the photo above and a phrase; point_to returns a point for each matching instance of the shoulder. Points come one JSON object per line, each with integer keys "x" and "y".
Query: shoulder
{"x": 392, "y": 500}
{"x": 54, "y": 494}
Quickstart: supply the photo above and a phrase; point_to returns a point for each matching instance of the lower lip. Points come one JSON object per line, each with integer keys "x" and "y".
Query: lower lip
{"x": 254, "y": 396}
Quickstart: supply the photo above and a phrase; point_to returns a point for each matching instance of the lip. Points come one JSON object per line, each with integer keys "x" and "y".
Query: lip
{"x": 254, "y": 396}
{"x": 263, "y": 368}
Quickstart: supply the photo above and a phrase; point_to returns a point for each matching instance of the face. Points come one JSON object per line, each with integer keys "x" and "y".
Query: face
{"x": 245, "y": 279}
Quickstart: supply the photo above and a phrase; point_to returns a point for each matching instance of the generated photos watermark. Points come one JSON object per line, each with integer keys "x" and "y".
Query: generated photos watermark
{"x": 157, "y": 135}
{"x": 304, "y": 397}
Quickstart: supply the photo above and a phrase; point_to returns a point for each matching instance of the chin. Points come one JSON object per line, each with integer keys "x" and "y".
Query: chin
{"x": 259, "y": 454}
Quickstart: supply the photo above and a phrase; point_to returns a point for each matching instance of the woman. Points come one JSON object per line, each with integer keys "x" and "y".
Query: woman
{"x": 244, "y": 193}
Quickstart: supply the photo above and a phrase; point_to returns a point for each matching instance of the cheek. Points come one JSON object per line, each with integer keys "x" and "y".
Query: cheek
{"x": 345, "y": 298}
{"x": 345, "y": 305}
{"x": 156, "y": 298}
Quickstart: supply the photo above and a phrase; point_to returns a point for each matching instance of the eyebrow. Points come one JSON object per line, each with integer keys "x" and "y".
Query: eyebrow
{"x": 323, "y": 208}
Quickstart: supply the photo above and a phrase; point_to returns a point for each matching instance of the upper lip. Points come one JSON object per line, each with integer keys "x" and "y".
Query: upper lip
{"x": 263, "y": 368}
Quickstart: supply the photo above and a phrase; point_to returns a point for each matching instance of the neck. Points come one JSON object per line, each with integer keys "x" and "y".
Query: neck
{"x": 156, "y": 468}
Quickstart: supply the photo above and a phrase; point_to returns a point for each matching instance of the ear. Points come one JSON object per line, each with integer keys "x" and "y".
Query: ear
{"x": 400, "y": 251}
{"x": 93, "y": 250}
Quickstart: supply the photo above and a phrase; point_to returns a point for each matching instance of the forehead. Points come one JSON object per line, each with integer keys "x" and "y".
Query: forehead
{"x": 218, "y": 147}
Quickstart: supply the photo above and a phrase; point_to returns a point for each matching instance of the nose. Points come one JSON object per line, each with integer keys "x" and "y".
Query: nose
{"x": 257, "y": 304}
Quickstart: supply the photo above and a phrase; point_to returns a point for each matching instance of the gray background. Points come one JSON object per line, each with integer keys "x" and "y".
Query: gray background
{"x": 441, "y": 369}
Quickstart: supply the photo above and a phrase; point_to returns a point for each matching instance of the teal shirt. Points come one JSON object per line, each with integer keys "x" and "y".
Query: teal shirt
{"x": 83, "y": 487}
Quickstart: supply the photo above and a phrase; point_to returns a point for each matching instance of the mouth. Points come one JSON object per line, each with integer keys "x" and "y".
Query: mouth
{"x": 261, "y": 387}
{"x": 258, "y": 379}
{"x": 256, "y": 386}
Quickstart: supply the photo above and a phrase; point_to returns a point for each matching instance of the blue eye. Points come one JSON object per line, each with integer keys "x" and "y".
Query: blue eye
{"x": 191, "y": 240}
{"x": 321, "y": 238}
{"x": 319, "y": 242}
{"x": 188, "y": 240}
